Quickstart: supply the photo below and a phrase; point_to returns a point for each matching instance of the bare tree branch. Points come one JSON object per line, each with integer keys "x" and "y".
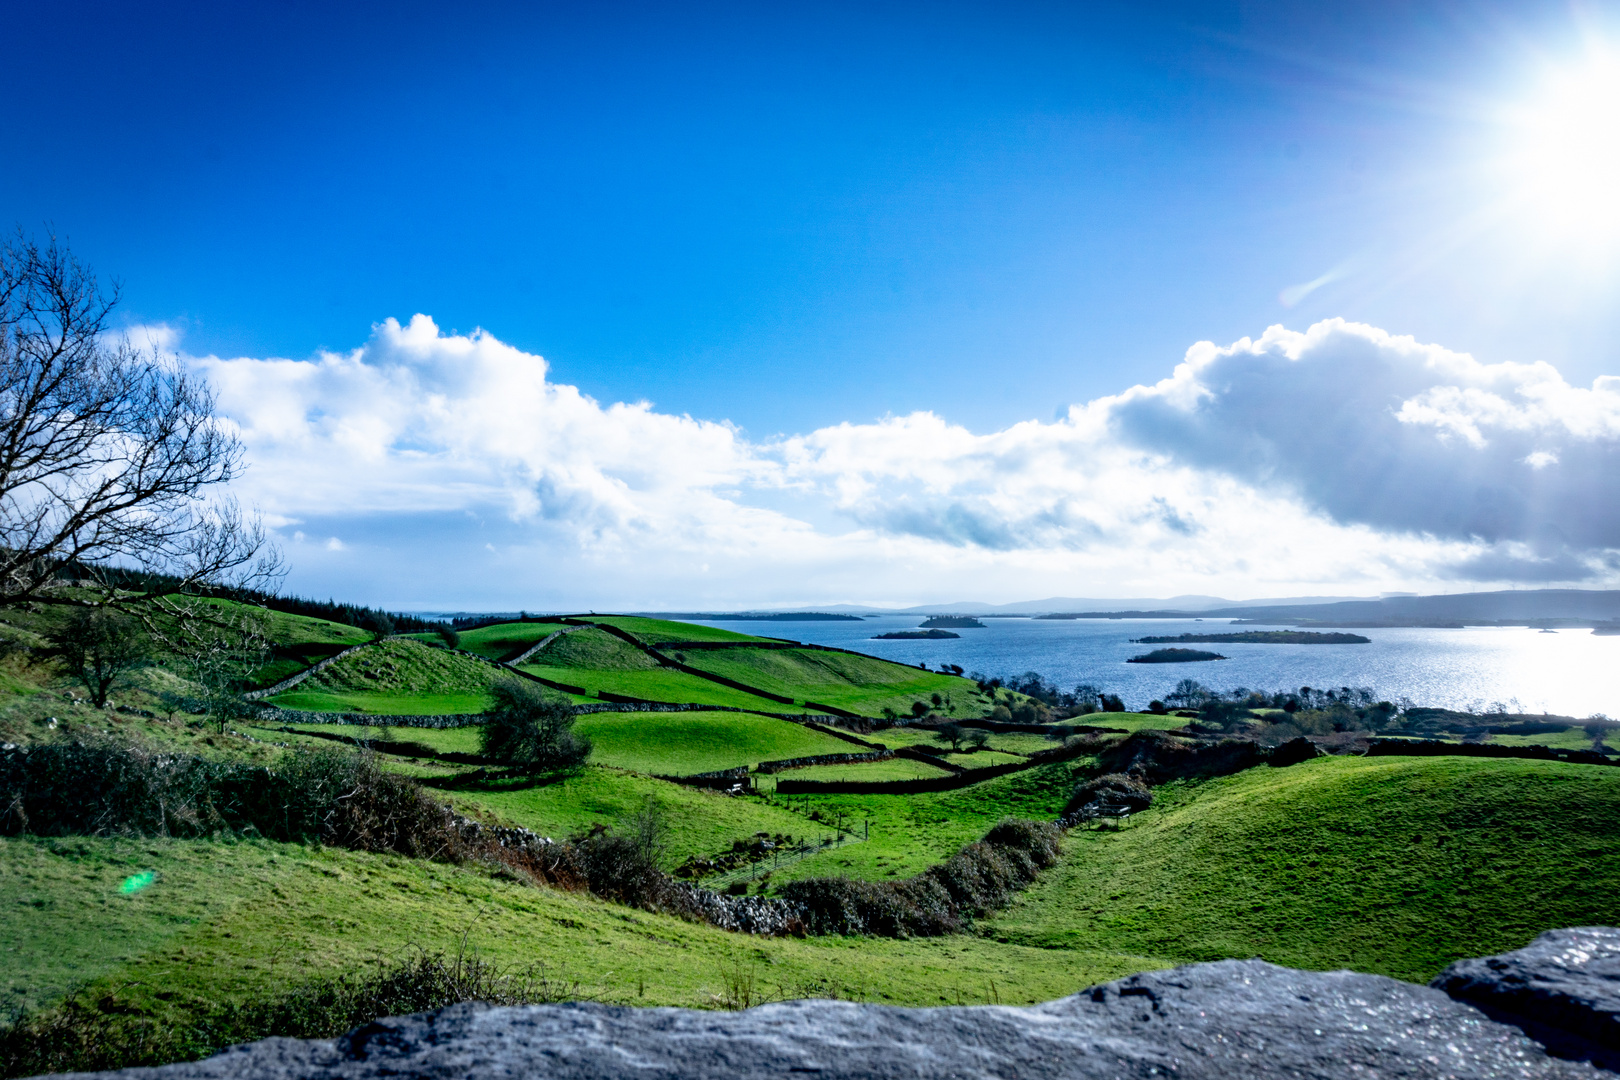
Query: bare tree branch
{"x": 112, "y": 459}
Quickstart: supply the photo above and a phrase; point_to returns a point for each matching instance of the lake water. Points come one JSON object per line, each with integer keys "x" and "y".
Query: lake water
{"x": 1571, "y": 672}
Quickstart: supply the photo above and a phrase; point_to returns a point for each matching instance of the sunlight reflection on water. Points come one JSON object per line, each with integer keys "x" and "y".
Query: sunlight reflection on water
{"x": 1571, "y": 672}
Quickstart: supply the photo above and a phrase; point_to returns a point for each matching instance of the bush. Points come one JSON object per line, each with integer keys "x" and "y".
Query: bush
{"x": 448, "y": 635}
{"x": 529, "y": 731}
{"x": 1109, "y": 795}
{"x": 978, "y": 879}
{"x": 624, "y": 864}
{"x": 1155, "y": 757}
{"x": 334, "y": 796}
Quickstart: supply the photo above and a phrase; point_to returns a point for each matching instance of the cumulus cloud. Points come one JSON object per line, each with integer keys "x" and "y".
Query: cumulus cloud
{"x": 1380, "y": 430}
{"x": 1340, "y": 455}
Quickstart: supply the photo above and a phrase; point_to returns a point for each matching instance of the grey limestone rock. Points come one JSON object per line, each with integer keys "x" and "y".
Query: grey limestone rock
{"x": 1563, "y": 989}
{"x": 1228, "y": 1019}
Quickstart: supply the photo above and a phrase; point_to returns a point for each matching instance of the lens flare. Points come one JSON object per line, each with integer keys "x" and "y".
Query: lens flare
{"x": 1565, "y": 161}
{"x": 136, "y": 882}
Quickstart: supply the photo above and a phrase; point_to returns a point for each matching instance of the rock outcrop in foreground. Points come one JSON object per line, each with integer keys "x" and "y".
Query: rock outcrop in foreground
{"x": 1236, "y": 1018}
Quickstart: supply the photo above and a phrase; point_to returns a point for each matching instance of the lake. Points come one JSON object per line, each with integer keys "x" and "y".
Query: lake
{"x": 1570, "y": 672}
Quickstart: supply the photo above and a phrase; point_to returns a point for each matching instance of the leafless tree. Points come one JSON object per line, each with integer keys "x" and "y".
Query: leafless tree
{"x": 220, "y": 647}
{"x": 113, "y": 464}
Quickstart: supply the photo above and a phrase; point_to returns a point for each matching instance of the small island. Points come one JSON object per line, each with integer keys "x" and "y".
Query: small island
{"x": 955, "y": 622}
{"x": 913, "y": 635}
{"x": 1263, "y": 637}
{"x": 1174, "y": 656}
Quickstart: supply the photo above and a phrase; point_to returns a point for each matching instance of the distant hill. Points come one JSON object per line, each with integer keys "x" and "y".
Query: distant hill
{"x": 1515, "y": 607}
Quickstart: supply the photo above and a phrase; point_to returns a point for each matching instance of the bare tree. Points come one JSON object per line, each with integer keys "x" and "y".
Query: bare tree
{"x": 113, "y": 463}
{"x": 219, "y": 648}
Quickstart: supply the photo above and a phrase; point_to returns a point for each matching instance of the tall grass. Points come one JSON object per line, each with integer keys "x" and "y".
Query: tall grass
{"x": 110, "y": 1033}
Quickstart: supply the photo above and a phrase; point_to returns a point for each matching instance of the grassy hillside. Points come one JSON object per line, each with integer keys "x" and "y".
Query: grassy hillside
{"x": 658, "y": 684}
{"x": 862, "y": 684}
{"x": 399, "y": 675}
{"x": 503, "y": 640}
{"x": 685, "y": 743}
{"x": 1389, "y": 865}
{"x": 658, "y": 631}
{"x": 223, "y": 920}
{"x": 910, "y": 833}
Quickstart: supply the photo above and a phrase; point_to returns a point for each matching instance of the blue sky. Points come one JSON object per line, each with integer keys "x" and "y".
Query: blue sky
{"x": 787, "y": 218}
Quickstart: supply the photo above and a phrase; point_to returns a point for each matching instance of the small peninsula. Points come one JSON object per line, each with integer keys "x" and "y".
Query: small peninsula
{"x": 954, "y": 622}
{"x": 1262, "y": 637}
{"x": 914, "y": 635}
{"x": 1174, "y": 656}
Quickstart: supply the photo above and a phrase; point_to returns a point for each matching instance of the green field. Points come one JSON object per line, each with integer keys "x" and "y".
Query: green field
{"x": 224, "y": 920}
{"x": 862, "y": 684}
{"x": 659, "y": 631}
{"x": 399, "y": 675}
{"x": 910, "y": 833}
{"x": 502, "y": 640}
{"x": 1389, "y": 865}
{"x": 701, "y": 822}
{"x": 692, "y": 742}
{"x": 658, "y": 684}
{"x": 1126, "y": 721}
{"x": 892, "y": 769}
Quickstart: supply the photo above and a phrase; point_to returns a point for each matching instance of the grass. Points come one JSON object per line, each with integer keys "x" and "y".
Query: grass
{"x": 910, "y": 833}
{"x": 684, "y": 743}
{"x": 702, "y": 823}
{"x": 1569, "y": 739}
{"x": 594, "y": 649}
{"x": 1390, "y": 865}
{"x": 399, "y": 675}
{"x": 892, "y": 769}
{"x": 1128, "y": 721}
{"x": 862, "y": 684}
{"x": 658, "y": 631}
{"x": 677, "y": 744}
{"x": 502, "y": 640}
{"x": 659, "y": 684}
{"x": 381, "y": 704}
{"x": 226, "y": 920}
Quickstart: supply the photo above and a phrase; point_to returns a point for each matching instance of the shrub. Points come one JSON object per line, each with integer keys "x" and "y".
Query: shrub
{"x": 1109, "y": 795}
{"x": 529, "y": 731}
{"x": 624, "y": 864}
{"x": 334, "y": 796}
{"x": 448, "y": 635}
{"x": 1155, "y": 757}
{"x": 980, "y": 878}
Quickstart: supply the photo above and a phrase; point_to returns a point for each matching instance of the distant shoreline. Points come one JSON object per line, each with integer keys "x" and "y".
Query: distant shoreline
{"x": 1262, "y": 637}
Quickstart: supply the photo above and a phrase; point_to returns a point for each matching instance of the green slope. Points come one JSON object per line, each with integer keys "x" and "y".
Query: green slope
{"x": 658, "y": 631}
{"x": 399, "y": 675}
{"x": 684, "y": 743}
{"x": 1389, "y": 865}
{"x": 862, "y": 684}
{"x": 224, "y": 920}
{"x": 503, "y": 640}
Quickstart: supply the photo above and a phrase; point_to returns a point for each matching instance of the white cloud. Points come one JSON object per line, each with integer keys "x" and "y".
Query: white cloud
{"x": 1379, "y": 430}
{"x": 1338, "y": 456}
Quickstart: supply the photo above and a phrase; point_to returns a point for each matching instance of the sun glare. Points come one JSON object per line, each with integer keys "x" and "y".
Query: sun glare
{"x": 1565, "y": 161}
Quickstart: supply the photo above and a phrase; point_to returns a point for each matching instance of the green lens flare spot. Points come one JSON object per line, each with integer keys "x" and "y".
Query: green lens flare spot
{"x": 137, "y": 882}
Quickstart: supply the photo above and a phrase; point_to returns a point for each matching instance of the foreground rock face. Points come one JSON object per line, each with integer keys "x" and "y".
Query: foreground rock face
{"x": 1229, "y": 1019}
{"x": 1563, "y": 989}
